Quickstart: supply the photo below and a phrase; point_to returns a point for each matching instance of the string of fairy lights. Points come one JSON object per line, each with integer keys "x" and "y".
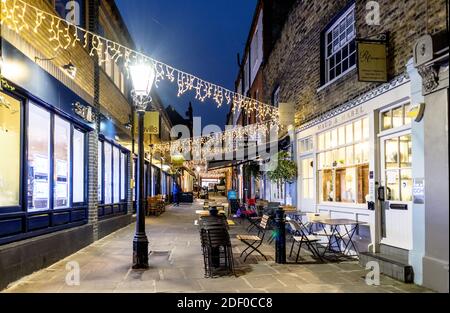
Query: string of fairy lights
{"x": 64, "y": 35}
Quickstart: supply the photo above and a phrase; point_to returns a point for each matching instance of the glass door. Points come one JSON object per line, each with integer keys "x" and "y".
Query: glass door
{"x": 395, "y": 192}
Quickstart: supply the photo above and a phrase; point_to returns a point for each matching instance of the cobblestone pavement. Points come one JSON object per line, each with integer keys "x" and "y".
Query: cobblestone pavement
{"x": 177, "y": 266}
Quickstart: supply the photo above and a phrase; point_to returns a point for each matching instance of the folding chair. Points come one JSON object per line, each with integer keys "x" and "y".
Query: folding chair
{"x": 300, "y": 237}
{"x": 255, "y": 242}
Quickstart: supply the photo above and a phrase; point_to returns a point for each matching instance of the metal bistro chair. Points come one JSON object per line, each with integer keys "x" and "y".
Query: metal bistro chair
{"x": 300, "y": 237}
{"x": 216, "y": 246}
{"x": 254, "y": 242}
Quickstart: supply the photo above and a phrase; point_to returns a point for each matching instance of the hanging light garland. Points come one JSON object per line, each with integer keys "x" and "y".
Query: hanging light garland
{"x": 65, "y": 35}
{"x": 217, "y": 144}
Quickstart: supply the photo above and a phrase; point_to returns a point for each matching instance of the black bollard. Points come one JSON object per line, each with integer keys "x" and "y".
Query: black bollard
{"x": 280, "y": 243}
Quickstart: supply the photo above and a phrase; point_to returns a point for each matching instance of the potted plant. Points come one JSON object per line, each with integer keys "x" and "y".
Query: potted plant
{"x": 286, "y": 171}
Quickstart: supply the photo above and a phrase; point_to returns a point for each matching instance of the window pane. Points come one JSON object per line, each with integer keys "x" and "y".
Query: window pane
{"x": 406, "y": 185}
{"x": 366, "y": 129}
{"x": 321, "y": 142}
{"x": 123, "y": 158}
{"x": 358, "y": 131}
{"x": 350, "y": 159}
{"x": 346, "y": 185}
{"x": 10, "y": 134}
{"x": 62, "y": 164}
{"x": 100, "y": 171}
{"x": 327, "y": 140}
{"x": 326, "y": 178}
{"x": 334, "y": 138}
{"x": 391, "y": 153}
{"x": 406, "y": 151}
{"x": 366, "y": 152}
{"x": 397, "y": 117}
{"x": 38, "y": 158}
{"x": 349, "y": 133}
{"x": 393, "y": 185}
{"x": 386, "y": 120}
{"x": 358, "y": 154}
{"x": 78, "y": 166}
{"x": 116, "y": 175}
{"x": 363, "y": 184}
{"x": 321, "y": 158}
{"x": 108, "y": 173}
{"x": 341, "y": 157}
{"x": 342, "y": 135}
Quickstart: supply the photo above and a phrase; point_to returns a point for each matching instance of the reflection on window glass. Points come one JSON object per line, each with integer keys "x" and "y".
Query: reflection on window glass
{"x": 62, "y": 164}
{"x": 334, "y": 138}
{"x": 122, "y": 176}
{"x": 78, "y": 166}
{"x": 350, "y": 158}
{"x": 116, "y": 168}
{"x": 38, "y": 158}
{"x": 10, "y": 134}
{"x": 108, "y": 173}
{"x": 321, "y": 142}
{"x": 100, "y": 171}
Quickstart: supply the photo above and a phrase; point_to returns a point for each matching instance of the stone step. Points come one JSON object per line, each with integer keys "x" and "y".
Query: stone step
{"x": 401, "y": 255}
{"x": 390, "y": 265}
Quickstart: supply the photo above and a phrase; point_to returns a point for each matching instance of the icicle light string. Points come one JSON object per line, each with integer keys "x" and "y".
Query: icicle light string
{"x": 64, "y": 35}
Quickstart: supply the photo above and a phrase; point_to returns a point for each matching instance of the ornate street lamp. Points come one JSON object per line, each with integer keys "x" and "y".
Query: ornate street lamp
{"x": 142, "y": 76}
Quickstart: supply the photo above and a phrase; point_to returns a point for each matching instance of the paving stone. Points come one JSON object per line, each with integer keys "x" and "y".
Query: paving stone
{"x": 176, "y": 265}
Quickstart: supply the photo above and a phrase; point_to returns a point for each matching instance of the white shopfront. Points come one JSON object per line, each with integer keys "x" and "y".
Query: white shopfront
{"x": 353, "y": 156}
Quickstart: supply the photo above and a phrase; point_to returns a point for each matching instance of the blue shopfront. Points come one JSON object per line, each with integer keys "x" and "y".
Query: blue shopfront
{"x": 44, "y": 172}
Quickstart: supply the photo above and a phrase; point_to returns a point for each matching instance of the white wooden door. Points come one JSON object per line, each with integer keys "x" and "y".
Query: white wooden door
{"x": 396, "y": 181}
{"x": 306, "y": 184}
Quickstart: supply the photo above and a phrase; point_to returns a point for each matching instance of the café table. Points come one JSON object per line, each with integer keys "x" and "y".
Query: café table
{"x": 350, "y": 228}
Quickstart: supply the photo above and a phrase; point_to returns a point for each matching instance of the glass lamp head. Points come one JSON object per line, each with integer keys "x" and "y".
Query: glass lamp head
{"x": 142, "y": 76}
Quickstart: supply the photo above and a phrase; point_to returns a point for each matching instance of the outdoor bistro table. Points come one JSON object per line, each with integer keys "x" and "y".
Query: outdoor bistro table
{"x": 350, "y": 227}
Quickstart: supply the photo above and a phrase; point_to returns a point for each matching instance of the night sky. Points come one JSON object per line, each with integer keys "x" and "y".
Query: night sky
{"x": 201, "y": 37}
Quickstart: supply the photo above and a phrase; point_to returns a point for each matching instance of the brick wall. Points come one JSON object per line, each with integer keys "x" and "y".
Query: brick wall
{"x": 93, "y": 181}
{"x": 296, "y": 58}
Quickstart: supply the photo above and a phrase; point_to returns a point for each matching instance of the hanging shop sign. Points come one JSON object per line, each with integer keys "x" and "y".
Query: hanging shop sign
{"x": 151, "y": 123}
{"x": 372, "y": 61}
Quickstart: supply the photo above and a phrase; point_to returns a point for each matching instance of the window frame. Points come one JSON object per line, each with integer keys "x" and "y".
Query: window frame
{"x": 351, "y": 8}
{"x": 23, "y": 141}
{"x": 320, "y": 169}
{"x": 119, "y": 207}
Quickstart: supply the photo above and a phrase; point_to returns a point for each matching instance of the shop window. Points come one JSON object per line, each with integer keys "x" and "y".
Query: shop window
{"x": 38, "y": 158}
{"x": 61, "y": 164}
{"x": 343, "y": 164}
{"x": 123, "y": 159}
{"x": 306, "y": 146}
{"x": 340, "y": 45}
{"x": 78, "y": 166}
{"x": 116, "y": 179}
{"x": 108, "y": 173}
{"x": 395, "y": 118}
{"x": 10, "y": 134}
{"x": 100, "y": 172}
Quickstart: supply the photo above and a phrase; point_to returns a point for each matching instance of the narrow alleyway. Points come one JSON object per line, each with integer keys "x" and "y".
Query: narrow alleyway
{"x": 177, "y": 266}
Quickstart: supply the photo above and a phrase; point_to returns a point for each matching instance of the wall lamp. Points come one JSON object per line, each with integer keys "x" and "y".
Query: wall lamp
{"x": 69, "y": 69}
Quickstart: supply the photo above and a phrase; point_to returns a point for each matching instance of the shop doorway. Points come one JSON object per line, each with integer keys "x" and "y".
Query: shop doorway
{"x": 395, "y": 191}
{"x": 306, "y": 179}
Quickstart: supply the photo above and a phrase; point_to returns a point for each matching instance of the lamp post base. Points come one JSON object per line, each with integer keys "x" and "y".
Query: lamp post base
{"x": 140, "y": 252}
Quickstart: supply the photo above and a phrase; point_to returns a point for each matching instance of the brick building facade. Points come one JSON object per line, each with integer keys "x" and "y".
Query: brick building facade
{"x": 347, "y": 131}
